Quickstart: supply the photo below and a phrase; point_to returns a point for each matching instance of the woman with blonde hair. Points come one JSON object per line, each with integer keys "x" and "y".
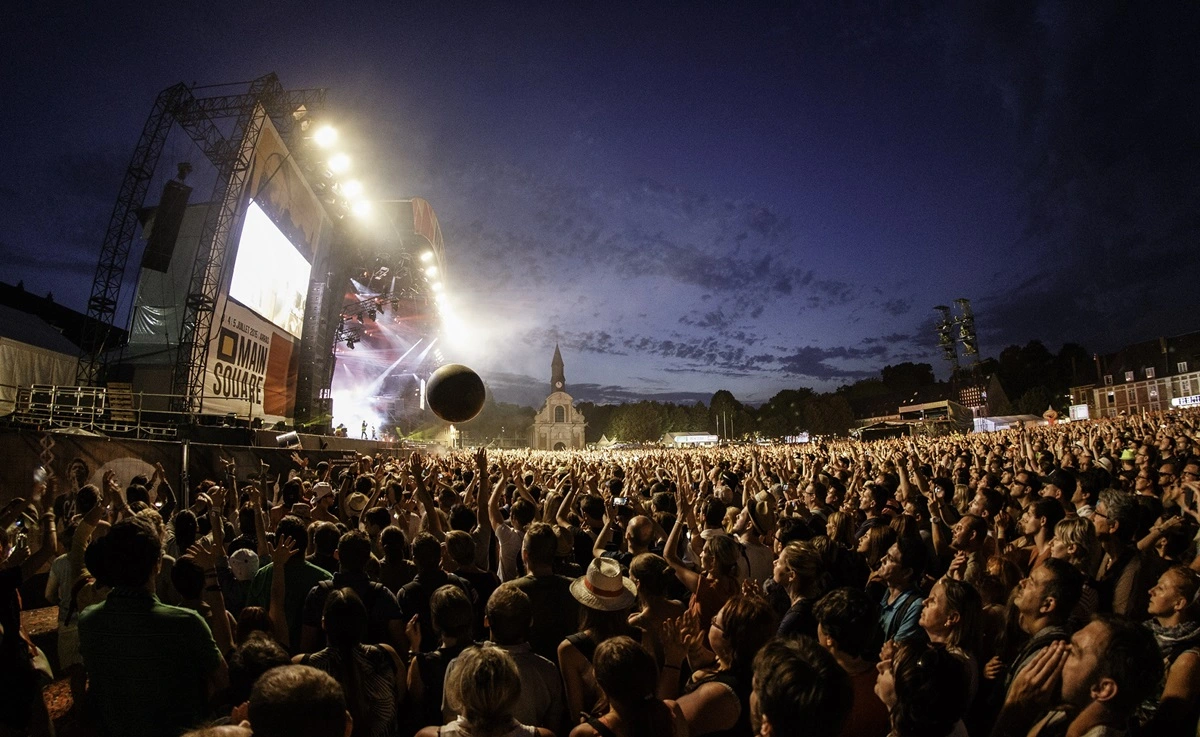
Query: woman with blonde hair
{"x": 840, "y": 529}
{"x": 482, "y": 687}
{"x": 952, "y": 615}
{"x": 718, "y": 578}
{"x": 1075, "y": 542}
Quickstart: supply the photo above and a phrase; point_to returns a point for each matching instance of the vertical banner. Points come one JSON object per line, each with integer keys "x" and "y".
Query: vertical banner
{"x": 253, "y": 367}
{"x": 253, "y": 362}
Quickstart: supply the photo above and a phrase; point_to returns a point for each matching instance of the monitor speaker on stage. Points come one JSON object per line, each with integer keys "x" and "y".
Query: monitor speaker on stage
{"x": 289, "y": 440}
{"x": 167, "y": 220}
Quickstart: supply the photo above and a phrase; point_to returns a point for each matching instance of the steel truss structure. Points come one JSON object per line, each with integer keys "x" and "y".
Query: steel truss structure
{"x": 232, "y": 157}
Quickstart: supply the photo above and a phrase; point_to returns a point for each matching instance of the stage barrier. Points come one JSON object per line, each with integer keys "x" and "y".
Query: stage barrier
{"x": 23, "y": 451}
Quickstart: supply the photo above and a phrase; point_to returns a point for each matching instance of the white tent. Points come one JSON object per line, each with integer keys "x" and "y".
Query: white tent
{"x": 1003, "y": 422}
{"x": 32, "y": 352}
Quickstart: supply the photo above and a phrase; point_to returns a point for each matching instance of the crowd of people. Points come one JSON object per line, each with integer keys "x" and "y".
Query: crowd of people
{"x": 1036, "y": 581}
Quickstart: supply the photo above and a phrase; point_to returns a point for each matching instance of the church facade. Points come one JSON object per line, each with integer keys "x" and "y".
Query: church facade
{"x": 557, "y": 425}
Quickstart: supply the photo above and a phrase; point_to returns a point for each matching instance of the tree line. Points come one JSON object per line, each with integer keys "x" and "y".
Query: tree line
{"x": 1031, "y": 375}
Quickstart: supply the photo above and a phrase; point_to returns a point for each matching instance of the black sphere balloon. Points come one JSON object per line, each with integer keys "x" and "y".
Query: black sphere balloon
{"x": 455, "y": 393}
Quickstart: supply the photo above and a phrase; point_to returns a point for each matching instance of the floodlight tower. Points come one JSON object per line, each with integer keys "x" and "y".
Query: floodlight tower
{"x": 966, "y": 329}
{"x": 945, "y": 331}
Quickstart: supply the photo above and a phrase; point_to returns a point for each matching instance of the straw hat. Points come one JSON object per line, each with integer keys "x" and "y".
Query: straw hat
{"x": 356, "y": 503}
{"x": 302, "y": 510}
{"x": 603, "y": 587}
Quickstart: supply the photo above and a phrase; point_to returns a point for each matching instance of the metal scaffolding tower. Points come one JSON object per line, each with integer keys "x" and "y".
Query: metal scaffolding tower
{"x": 231, "y": 156}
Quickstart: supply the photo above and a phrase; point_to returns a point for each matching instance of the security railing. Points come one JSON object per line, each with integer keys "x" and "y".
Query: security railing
{"x": 112, "y": 410}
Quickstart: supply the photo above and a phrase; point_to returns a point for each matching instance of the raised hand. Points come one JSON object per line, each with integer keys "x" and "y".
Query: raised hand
{"x": 202, "y": 553}
{"x": 670, "y": 634}
{"x": 282, "y": 550}
{"x": 412, "y": 631}
{"x": 1039, "y": 681}
{"x": 217, "y": 495}
{"x": 751, "y": 588}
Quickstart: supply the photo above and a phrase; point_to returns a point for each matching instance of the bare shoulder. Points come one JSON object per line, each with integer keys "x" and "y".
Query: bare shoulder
{"x": 581, "y": 730}
{"x": 1186, "y": 662}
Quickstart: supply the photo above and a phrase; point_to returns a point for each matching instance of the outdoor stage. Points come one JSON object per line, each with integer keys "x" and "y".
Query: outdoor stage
{"x": 288, "y": 298}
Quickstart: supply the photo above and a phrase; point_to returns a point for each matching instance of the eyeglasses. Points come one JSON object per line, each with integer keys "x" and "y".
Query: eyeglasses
{"x": 1098, "y": 513}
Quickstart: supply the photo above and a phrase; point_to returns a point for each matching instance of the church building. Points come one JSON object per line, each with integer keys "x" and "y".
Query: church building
{"x": 557, "y": 425}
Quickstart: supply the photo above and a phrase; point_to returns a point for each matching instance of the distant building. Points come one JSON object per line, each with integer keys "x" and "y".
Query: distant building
{"x": 1153, "y": 375}
{"x": 557, "y": 425}
{"x": 693, "y": 439}
{"x": 980, "y": 396}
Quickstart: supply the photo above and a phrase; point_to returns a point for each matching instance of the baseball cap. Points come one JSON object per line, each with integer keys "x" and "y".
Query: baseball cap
{"x": 244, "y": 564}
{"x": 321, "y": 490}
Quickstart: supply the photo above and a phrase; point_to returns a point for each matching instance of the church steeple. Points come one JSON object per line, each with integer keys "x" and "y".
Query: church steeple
{"x": 558, "y": 382}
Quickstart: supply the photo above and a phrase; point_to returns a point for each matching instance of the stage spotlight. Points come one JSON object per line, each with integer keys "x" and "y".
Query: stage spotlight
{"x": 350, "y": 343}
{"x": 427, "y": 256}
{"x": 339, "y": 163}
{"x": 352, "y": 188}
{"x": 325, "y": 136}
{"x": 361, "y": 209}
{"x": 371, "y": 314}
{"x": 437, "y": 286}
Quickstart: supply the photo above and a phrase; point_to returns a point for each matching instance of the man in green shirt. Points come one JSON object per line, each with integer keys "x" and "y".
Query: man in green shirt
{"x": 300, "y": 577}
{"x": 151, "y": 667}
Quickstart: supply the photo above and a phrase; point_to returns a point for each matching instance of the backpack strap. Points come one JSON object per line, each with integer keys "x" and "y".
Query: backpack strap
{"x": 900, "y": 616}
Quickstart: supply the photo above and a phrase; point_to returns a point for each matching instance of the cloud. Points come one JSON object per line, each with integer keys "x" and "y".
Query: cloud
{"x": 816, "y": 362}
{"x": 1102, "y": 99}
{"x": 531, "y": 392}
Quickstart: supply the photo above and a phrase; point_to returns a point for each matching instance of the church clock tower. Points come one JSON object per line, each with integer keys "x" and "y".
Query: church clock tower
{"x": 558, "y": 425}
{"x": 558, "y": 382}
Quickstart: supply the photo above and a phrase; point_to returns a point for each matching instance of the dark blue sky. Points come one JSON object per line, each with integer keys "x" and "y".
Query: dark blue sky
{"x": 688, "y": 196}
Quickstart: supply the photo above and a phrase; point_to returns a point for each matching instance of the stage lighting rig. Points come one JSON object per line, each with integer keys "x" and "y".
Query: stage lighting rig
{"x": 325, "y": 136}
{"x": 339, "y": 163}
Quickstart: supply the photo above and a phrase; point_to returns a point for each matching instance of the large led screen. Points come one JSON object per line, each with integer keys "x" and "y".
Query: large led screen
{"x": 270, "y": 276}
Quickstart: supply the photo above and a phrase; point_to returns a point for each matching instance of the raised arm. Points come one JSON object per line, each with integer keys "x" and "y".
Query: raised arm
{"x": 281, "y": 552}
{"x": 686, "y": 575}
{"x": 494, "y": 515}
{"x": 482, "y": 490}
{"x": 417, "y": 468}
{"x": 610, "y": 518}
{"x": 564, "y": 509}
{"x": 218, "y": 620}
